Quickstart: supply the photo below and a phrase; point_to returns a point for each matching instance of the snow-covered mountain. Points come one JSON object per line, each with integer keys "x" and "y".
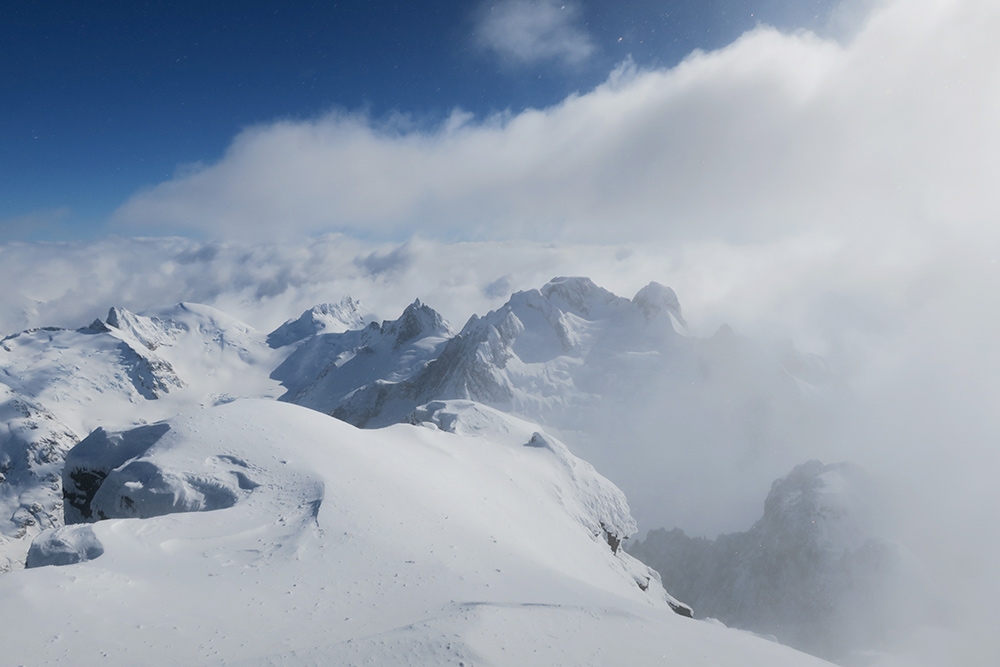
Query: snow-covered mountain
{"x": 188, "y": 473}
{"x": 652, "y": 408}
{"x": 541, "y": 355}
{"x": 57, "y": 385}
{"x": 323, "y": 318}
{"x": 616, "y": 378}
{"x": 328, "y": 369}
{"x": 814, "y": 571}
{"x": 261, "y": 533}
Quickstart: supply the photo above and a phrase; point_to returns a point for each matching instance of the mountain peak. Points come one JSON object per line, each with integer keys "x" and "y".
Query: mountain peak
{"x": 832, "y": 502}
{"x": 812, "y": 571}
{"x": 346, "y": 315}
{"x": 417, "y": 321}
{"x": 578, "y": 295}
{"x": 655, "y": 298}
{"x": 143, "y": 329}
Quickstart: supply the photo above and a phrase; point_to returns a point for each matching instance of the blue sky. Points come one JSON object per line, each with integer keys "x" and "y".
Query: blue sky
{"x": 100, "y": 100}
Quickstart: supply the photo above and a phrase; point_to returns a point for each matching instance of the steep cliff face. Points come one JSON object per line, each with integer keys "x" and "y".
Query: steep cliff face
{"x": 813, "y": 571}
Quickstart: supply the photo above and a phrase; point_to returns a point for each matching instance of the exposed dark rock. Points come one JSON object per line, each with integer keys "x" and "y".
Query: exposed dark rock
{"x": 88, "y": 464}
{"x": 681, "y": 609}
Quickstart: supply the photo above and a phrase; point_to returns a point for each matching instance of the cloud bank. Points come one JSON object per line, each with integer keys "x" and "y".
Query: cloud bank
{"x": 768, "y": 136}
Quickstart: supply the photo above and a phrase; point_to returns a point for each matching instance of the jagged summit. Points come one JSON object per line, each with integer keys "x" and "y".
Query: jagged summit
{"x": 655, "y": 298}
{"x": 328, "y": 367}
{"x": 417, "y": 321}
{"x": 581, "y": 297}
{"x": 148, "y": 332}
{"x": 539, "y": 350}
{"x": 339, "y": 317}
{"x": 830, "y": 505}
{"x": 840, "y": 583}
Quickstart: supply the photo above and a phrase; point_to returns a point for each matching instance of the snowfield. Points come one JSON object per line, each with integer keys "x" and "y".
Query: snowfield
{"x": 466, "y": 538}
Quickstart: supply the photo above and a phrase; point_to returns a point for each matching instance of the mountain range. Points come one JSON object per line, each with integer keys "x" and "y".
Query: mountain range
{"x": 163, "y": 428}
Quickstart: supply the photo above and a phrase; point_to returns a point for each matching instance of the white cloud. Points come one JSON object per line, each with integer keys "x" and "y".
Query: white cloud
{"x": 774, "y": 134}
{"x": 525, "y": 32}
{"x": 70, "y": 284}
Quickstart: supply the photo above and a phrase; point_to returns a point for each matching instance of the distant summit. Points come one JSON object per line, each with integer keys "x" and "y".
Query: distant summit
{"x": 655, "y": 300}
{"x": 522, "y": 357}
{"x": 814, "y": 571}
{"x": 323, "y": 318}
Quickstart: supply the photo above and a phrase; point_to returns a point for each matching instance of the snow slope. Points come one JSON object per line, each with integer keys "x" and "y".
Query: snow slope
{"x": 462, "y": 540}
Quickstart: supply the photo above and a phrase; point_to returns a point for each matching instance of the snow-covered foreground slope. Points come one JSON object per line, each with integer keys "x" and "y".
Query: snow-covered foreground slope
{"x": 408, "y": 545}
